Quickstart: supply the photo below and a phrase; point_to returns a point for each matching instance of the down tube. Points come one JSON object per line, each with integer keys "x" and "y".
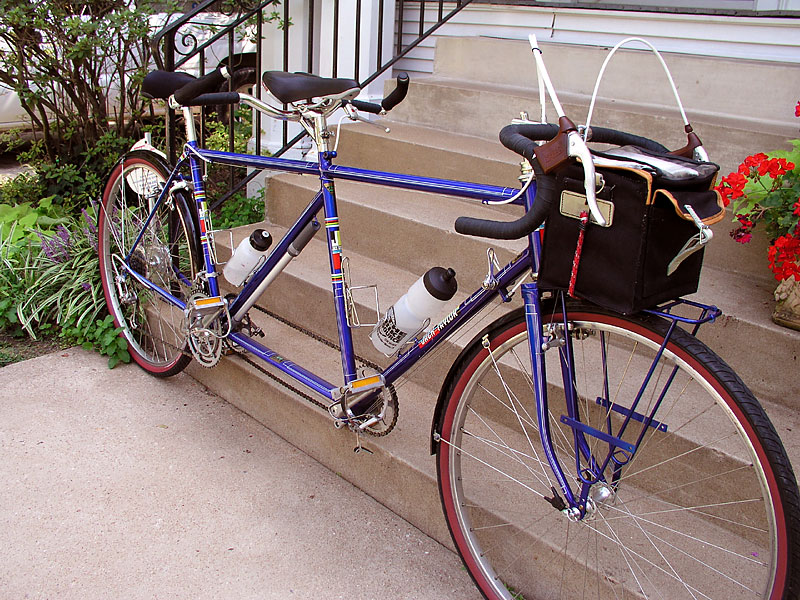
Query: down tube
{"x": 465, "y": 311}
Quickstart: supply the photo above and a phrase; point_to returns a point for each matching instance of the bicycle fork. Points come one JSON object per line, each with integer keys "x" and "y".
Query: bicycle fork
{"x": 595, "y": 475}
{"x": 594, "y": 488}
{"x": 569, "y": 504}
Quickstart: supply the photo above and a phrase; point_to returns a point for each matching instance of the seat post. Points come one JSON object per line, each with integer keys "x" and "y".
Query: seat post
{"x": 319, "y": 131}
{"x": 188, "y": 118}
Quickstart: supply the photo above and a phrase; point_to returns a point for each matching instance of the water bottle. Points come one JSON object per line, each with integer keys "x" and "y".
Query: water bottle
{"x": 408, "y": 315}
{"x": 246, "y": 257}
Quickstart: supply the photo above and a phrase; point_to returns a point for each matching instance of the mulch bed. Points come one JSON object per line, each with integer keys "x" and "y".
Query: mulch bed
{"x": 15, "y": 349}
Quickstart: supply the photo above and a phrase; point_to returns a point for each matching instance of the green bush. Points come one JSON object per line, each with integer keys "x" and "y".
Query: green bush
{"x": 76, "y": 68}
{"x": 50, "y": 279}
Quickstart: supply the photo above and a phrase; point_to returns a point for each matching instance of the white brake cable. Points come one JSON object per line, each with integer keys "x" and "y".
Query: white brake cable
{"x": 603, "y": 68}
{"x": 338, "y": 129}
{"x": 576, "y": 145}
{"x": 515, "y": 196}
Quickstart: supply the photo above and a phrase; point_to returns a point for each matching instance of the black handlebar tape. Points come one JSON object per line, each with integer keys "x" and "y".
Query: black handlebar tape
{"x": 521, "y": 138}
{"x": 369, "y": 107}
{"x": 214, "y": 98}
{"x": 546, "y": 191}
{"x": 194, "y": 88}
{"x": 603, "y": 135}
{"x": 398, "y": 94}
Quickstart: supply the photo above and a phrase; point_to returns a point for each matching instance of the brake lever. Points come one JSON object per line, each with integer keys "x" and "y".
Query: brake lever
{"x": 577, "y": 148}
{"x": 353, "y": 115}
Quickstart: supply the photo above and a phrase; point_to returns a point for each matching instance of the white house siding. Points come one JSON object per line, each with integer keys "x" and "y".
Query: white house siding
{"x": 759, "y": 38}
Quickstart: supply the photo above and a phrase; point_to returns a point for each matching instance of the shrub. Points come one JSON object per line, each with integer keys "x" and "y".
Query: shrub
{"x": 76, "y": 68}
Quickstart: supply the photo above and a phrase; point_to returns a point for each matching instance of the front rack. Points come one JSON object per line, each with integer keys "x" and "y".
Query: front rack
{"x": 708, "y": 313}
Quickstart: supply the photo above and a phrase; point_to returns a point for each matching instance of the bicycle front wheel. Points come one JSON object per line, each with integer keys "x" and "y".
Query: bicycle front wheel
{"x": 166, "y": 255}
{"x": 706, "y": 506}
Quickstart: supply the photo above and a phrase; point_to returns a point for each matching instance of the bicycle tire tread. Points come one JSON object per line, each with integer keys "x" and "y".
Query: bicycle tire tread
{"x": 155, "y": 161}
{"x": 715, "y": 367}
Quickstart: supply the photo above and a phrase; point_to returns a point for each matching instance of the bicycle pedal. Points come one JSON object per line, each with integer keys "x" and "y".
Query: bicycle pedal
{"x": 207, "y": 305}
{"x": 358, "y": 386}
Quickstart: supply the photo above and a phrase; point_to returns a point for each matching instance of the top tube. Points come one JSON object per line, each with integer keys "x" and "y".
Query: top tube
{"x": 473, "y": 191}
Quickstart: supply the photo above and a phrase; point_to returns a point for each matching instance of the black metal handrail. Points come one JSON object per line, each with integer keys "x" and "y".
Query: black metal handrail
{"x": 170, "y": 57}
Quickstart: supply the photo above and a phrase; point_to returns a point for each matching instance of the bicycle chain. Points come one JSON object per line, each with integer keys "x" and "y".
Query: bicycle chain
{"x": 365, "y": 362}
{"x": 389, "y": 388}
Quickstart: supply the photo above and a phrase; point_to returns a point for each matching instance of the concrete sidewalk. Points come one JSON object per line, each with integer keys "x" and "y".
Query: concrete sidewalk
{"x": 119, "y": 485}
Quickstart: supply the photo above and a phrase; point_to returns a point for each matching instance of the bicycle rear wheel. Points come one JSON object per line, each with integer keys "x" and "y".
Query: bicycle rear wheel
{"x": 166, "y": 255}
{"x": 705, "y": 508}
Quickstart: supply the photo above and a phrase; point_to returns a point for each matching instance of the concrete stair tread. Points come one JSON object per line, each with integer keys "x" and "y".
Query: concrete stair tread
{"x": 786, "y": 420}
{"x": 435, "y": 150}
{"x": 302, "y": 294}
{"x": 430, "y": 209}
{"x": 770, "y": 350}
{"x": 459, "y": 143}
{"x": 312, "y": 264}
{"x": 453, "y": 104}
{"x": 740, "y": 297}
{"x": 761, "y": 352}
{"x": 411, "y": 231}
{"x": 398, "y": 470}
{"x": 474, "y": 158}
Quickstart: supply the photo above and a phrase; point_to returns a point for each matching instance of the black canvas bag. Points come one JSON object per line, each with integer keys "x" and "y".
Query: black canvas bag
{"x": 624, "y": 266}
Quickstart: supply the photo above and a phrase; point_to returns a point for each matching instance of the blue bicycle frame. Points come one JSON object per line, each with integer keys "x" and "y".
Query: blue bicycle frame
{"x": 325, "y": 201}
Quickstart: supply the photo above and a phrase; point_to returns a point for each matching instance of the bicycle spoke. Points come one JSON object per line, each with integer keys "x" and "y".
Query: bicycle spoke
{"x": 686, "y": 517}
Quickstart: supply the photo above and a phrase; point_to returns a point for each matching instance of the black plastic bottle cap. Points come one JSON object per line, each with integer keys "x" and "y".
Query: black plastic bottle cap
{"x": 441, "y": 283}
{"x": 260, "y": 240}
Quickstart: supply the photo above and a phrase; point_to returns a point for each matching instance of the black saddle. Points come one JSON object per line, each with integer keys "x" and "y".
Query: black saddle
{"x": 291, "y": 87}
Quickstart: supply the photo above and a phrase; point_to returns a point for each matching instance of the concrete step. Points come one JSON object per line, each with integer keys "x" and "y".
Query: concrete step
{"x": 397, "y": 470}
{"x": 634, "y": 92}
{"x": 403, "y": 230}
{"x": 429, "y": 152}
{"x": 482, "y": 109}
{"x": 426, "y": 151}
{"x": 302, "y": 294}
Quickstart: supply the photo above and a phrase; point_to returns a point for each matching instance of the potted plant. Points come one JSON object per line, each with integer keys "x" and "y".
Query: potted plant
{"x": 766, "y": 189}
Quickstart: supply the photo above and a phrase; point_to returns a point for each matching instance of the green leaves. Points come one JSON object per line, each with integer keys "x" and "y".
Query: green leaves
{"x": 73, "y": 66}
{"x": 41, "y": 287}
{"x": 103, "y": 336}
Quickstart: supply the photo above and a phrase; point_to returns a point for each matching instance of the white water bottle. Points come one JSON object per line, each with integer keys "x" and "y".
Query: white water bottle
{"x": 246, "y": 257}
{"x": 407, "y": 316}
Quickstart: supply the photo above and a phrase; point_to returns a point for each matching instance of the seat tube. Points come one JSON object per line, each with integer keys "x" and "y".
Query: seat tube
{"x": 333, "y": 238}
{"x": 533, "y": 320}
{"x": 199, "y": 194}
